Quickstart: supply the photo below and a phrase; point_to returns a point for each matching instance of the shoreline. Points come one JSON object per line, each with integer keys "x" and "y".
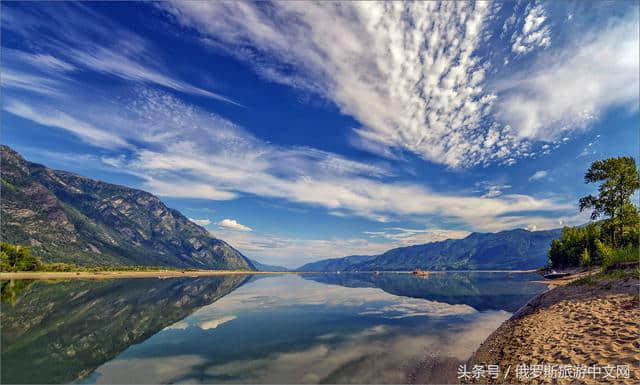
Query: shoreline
{"x": 131, "y": 274}
{"x": 569, "y": 325}
{"x": 107, "y": 274}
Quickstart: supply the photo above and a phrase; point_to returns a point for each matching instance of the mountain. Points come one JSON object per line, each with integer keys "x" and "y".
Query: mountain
{"x": 65, "y": 217}
{"x": 337, "y": 264}
{"x": 505, "y": 250}
{"x": 262, "y": 267}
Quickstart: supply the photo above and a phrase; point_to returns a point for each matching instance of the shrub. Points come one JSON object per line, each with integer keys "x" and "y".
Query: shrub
{"x": 17, "y": 258}
{"x": 629, "y": 253}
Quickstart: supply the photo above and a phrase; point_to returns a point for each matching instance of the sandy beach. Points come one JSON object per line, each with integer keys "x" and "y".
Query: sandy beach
{"x": 589, "y": 332}
{"x": 131, "y": 274}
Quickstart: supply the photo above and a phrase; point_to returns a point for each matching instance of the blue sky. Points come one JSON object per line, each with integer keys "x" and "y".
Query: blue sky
{"x": 298, "y": 131}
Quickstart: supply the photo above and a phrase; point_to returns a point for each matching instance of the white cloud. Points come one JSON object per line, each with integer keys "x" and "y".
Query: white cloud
{"x": 294, "y": 252}
{"x": 42, "y": 61}
{"x": 417, "y": 77}
{"x": 54, "y": 118}
{"x": 404, "y": 237}
{"x": 490, "y": 189}
{"x": 232, "y": 224}
{"x": 29, "y": 82}
{"x": 541, "y": 174}
{"x": 191, "y": 153}
{"x": 534, "y": 31}
{"x": 178, "y": 187}
{"x": 406, "y": 71}
{"x": 77, "y": 38}
{"x": 201, "y": 222}
{"x": 567, "y": 89}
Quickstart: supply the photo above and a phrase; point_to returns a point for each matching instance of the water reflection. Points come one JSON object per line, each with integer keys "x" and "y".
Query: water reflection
{"x": 55, "y": 332}
{"x": 278, "y": 329}
{"x": 482, "y": 291}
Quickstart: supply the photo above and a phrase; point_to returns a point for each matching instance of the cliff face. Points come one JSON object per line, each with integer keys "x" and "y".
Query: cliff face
{"x": 65, "y": 217}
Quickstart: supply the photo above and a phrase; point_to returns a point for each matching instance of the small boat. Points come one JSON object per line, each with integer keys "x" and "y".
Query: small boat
{"x": 420, "y": 273}
{"x": 555, "y": 275}
{"x": 376, "y": 273}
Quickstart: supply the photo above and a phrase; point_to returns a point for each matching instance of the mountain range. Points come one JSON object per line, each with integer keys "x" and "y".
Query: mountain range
{"x": 505, "y": 250}
{"x": 65, "y": 217}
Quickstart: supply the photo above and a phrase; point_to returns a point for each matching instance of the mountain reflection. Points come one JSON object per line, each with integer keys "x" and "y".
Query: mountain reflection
{"x": 286, "y": 329}
{"x": 482, "y": 291}
{"x": 55, "y": 332}
{"x": 335, "y": 328}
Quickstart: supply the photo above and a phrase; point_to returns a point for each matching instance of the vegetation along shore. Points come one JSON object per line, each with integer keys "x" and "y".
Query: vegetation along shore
{"x": 585, "y": 329}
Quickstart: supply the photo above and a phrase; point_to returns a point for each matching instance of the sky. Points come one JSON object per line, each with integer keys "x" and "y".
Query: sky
{"x": 298, "y": 131}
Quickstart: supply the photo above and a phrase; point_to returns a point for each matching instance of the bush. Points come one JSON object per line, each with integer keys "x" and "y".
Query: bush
{"x": 629, "y": 253}
{"x": 59, "y": 266}
{"x": 17, "y": 258}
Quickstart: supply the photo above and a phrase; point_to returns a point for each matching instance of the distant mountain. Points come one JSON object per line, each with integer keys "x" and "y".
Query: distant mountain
{"x": 337, "y": 264}
{"x": 65, "y": 217}
{"x": 262, "y": 267}
{"x": 505, "y": 250}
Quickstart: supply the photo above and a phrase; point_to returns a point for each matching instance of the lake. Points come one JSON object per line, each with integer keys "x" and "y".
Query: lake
{"x": 312, "y": 328}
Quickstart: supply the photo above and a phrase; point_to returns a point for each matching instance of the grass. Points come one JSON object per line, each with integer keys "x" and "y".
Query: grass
{"x": 606, "y": 276}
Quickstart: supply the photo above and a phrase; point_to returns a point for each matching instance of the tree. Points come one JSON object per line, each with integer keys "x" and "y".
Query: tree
{"x": 619, "y": 179}
{"x": 569, "y": 249}
{"x": 17, "y": 258}
{"x": 585, "y": 259}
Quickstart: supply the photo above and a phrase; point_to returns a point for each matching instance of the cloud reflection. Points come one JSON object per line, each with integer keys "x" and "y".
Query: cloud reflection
{"x": 384, "y": 345}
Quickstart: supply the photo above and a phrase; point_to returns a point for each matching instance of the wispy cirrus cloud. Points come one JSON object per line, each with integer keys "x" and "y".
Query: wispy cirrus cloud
{"x": 570, "y": 88}
{"x": 400, "y": 236}
{"x": 72, "y": 37}
{"x": 56, "y": 118}
{"x": 191, "y": 153}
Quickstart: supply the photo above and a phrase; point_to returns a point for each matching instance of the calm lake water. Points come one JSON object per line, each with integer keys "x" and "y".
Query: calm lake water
{"x": 332, "y": 328}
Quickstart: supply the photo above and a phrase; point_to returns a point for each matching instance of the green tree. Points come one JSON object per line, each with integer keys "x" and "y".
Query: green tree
{"x": 568, "y": 250}
{"x": 619, "y": 179}
{"x": 17, "y": 258}
{"x": 585, "y": 258}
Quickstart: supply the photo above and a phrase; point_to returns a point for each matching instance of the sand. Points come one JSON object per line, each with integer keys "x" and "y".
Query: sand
{"x": 592, "y": 325}
{"x": 131, "y": 274}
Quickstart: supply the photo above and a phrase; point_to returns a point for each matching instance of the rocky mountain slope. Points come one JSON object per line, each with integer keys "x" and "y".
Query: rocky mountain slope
{"x": 65, "y": 217}
{"x": 337, "y": 264}
{"x": 505, "y": 250}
